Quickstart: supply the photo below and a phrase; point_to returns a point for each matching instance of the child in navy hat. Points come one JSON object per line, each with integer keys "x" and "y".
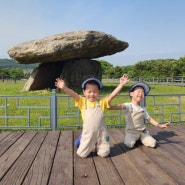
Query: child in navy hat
{"x": 94, "y": 132}
{"x": 135, "y": 115}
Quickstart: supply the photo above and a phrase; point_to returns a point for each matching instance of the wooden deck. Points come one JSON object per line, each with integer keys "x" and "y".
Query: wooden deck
{"x": 49, "y": 158}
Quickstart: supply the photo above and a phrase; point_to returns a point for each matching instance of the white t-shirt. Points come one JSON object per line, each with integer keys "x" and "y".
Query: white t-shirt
{"x": 130, "y": 106}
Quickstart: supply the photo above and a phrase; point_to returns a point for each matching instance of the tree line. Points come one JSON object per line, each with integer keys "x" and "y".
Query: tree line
{"x": 9, "y": 68}
{"x": 160, "y": 68}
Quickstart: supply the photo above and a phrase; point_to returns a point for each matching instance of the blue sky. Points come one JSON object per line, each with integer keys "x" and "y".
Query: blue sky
{"x": 154, "y": 29}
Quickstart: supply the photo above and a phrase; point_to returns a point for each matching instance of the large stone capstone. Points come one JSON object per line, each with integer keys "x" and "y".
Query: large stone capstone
{"x": 67, "y": 46}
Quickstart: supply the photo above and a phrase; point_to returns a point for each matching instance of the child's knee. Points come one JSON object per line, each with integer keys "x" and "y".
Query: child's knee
{"x": 84, "y": 150}
{"x": 103, "y": 149}
{"x": 152, "y": 144}
{"x": 82, "y": 154}
{"x": 149, "y": 142}
{"x": 103, "y": 153}
{"x": 130, "y": 144}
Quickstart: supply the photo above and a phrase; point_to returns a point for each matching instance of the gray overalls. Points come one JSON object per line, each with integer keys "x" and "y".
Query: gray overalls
{"x": 94, "y": 133}
{"x": 136, "y": 129}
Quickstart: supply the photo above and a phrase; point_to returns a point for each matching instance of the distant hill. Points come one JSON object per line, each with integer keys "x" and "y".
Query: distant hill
{"x": 10, "y": 63}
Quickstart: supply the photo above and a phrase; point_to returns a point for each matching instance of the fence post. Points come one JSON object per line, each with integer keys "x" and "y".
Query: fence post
{"x": 143, "y": 104}
{"x": 53, "y": 110}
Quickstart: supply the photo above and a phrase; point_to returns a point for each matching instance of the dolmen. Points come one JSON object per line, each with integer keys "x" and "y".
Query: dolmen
{"x": 71, "y": 56}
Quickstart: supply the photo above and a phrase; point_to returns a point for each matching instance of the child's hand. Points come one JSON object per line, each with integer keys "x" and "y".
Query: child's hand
{"x": 60, "y": 83}
{"x": 124, "y": 79}
{"x": 165, "y": 125}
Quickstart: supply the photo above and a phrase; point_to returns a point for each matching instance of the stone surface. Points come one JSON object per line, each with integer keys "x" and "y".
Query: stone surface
{"x": 72, "y": 71}
{"x": 44, "y": 76}
{"x": 76, "y": 71}
{"x": 67, "y": 46}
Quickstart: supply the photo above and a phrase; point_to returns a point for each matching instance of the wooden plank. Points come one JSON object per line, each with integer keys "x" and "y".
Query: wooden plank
{"x": 168, "y": 132}
{"x": 148, "y": 168}
{"x": 126, "y": 169}
{"x": 39, "y": 171}
{"x": 50, "y": 159}
{"x": 173, "y": 148}
{"x": 4, "y": 135}
{"x": 12, "y": 154}
{"x": 171, "y": 136}
{"x": 180, "y": 130}
{"x": 172, "y": 167}
{"x": 107, "y": 173}
{"x": 8, "y": 141}
{"x": 19, "y": 169}
{"x": 62, "y": 170}
{"x": 84, "y": 169}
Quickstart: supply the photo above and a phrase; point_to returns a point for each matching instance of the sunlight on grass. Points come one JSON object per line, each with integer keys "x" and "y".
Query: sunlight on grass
{"x": 36, "y": 105}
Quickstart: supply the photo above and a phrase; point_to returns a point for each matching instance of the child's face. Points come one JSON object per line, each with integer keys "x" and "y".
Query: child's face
{"x": 137, "y": 94}
{"x": 91, "y": 92}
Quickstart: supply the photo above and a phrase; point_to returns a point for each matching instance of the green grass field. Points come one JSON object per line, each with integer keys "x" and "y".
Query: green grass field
{"x": 16, "y": 89}
{"x": 67, "y": 108}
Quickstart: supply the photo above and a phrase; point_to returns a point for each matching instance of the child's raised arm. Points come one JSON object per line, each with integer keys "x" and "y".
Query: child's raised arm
{"x": 123, "y": 80}
{"x": 155, "y": 123}
{"x": 59, "y": 83}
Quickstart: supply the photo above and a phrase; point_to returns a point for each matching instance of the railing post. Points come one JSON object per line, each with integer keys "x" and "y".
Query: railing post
{"x": 53, "y": 110}
{"x": 143, "y": 104}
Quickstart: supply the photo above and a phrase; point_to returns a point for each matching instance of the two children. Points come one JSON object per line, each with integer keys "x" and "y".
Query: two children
{"x": 135, "y": 115}
{"x": 94, "y": 132}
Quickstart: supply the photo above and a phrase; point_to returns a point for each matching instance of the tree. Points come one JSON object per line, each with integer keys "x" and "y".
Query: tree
{"x": 181, "y": 66}
{"x": 16, "y": 73}
{"x": 118, "y": 72}
{"x": 128, "y": 70}
{"x": 107, "y": 69}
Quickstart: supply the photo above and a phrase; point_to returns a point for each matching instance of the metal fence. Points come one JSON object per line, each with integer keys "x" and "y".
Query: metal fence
{"x": 58, "y": 112}
{"x": 175, "y": 81}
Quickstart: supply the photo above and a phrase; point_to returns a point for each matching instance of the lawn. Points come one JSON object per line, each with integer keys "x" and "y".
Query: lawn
{"x": 163, "y": 104}
{"x": 16, "y": 89}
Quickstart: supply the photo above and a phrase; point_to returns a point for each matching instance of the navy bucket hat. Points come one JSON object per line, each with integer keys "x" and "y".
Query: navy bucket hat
{"x": 92, "y": 79}
{"x": 145, "y": 86}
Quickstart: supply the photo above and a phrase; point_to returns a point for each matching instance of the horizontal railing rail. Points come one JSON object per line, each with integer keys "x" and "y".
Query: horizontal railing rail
{"x": 176, "y": 80}
{"x": 58, "y": 111}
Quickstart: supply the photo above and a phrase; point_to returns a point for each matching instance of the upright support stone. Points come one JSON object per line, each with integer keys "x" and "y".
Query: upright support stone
{"x": 53, "y": 110}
